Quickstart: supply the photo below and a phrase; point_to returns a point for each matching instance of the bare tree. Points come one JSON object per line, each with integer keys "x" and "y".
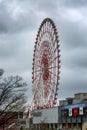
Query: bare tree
{"x": 12, "y": 98}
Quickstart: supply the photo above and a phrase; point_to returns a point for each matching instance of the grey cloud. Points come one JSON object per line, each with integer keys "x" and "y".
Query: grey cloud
{"x": 71, "y": 34}
{"x": 23, "y": 21}
{"x": 45, "y": 5}
{"x": 75, "y": 58}
{"x": 13, "y": 53}
{"x": 9, "y": 45}
{"x": 5, "y": 19}
{"x": 74, "y": 3}
{"x": 73, "y": 80}
{"x": 53, "y": 6}
{"x": 80, "y": 59}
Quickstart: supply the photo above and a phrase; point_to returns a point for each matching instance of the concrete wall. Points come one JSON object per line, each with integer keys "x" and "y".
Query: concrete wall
{"x": 49, "y": 115}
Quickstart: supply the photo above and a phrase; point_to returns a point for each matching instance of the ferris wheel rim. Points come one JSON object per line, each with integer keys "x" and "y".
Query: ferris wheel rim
{"x": 45, "y": 57}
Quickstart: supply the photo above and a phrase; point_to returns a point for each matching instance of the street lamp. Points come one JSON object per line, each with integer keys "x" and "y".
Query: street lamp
{"x": 1, "y": 72}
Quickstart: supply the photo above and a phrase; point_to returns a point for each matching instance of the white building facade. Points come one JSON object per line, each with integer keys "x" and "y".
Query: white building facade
{"x": 46, "y": 116}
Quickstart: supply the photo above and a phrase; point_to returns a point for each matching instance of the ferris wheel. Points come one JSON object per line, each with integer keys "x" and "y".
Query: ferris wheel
{"x": 46, "y": 66}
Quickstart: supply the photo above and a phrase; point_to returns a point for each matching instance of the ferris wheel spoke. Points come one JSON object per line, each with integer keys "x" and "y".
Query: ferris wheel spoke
{"x": 56, "y": 48}
{"x": 37, "y": 66}
{"x": 37, "y": 57}
{"x": 54, "y": 59}
{"x": 50, "y": 36}
{"x": 37, "y": 87}
{"x": 52, "y": 67}
{"x": 37, "y": 71}
{"x": 36, "y": 77}
{"x": 53, "y": 83}
{"x": 40, "y": 70}
{"x": 53, "y": 74}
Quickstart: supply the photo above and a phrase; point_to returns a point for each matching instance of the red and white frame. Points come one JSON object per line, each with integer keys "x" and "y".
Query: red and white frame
{"x": 46, "y": 66}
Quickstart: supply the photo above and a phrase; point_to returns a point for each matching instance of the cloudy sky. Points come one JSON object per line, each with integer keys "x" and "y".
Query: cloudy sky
{"x": 19, "y": 23}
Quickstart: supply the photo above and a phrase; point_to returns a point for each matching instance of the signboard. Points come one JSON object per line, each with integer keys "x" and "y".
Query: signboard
{"x": 70, "y": 111}
{"x": 81, "y": 111}
{"x": 75, "y": 111}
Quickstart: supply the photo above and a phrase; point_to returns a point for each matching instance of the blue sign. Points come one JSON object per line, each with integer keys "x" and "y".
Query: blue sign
{"x": 75, "y": 106}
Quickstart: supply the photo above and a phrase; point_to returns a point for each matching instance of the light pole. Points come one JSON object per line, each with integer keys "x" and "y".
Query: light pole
{"x": 1, "y": 72}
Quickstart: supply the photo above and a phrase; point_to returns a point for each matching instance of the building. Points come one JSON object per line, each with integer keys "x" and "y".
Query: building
{"x": 73, "y": 111}
{"x": 70, "y": 114}
{"x": 47, "y": 118}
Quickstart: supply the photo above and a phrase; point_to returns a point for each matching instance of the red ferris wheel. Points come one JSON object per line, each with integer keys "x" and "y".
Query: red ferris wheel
{"x": 46, "y": 66}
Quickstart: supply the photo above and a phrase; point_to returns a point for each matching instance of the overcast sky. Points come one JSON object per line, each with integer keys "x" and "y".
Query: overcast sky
{"x": 19, "y": 23}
